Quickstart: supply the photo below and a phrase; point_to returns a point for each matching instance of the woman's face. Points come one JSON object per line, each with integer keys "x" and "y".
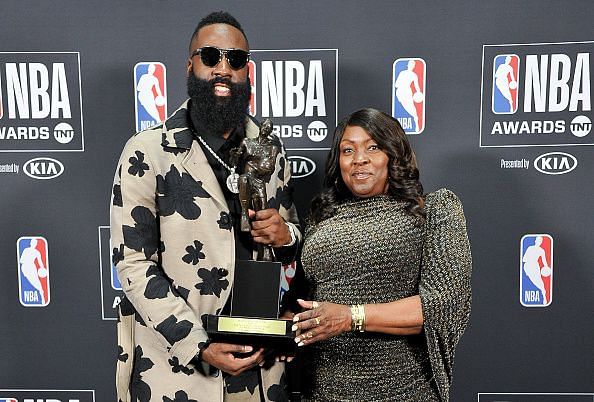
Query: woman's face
{"x": 363, "y": 166}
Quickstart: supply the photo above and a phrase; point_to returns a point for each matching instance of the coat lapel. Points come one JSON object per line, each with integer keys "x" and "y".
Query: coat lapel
{"x": 178, "y": 137}
{"x": 197, "y": 166}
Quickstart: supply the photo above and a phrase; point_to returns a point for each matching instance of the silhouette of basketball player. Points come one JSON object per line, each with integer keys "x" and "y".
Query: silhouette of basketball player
{"x": 532, "y": 267}
{"x": 28, "y": 259}
{"x": 404, "y": 92}
{"x": 147, "y": 99}
{"x": 505, "y": 81}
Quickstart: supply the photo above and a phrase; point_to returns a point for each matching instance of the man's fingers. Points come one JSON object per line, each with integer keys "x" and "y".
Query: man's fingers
{"x": 265, "y": 214}
{"x": 234, "y": 348}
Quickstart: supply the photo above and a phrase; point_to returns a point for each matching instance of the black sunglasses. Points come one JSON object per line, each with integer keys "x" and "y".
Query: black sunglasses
{"x": 211, "y": 56}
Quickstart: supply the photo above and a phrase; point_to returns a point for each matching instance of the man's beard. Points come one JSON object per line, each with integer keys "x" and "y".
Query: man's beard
{"x": 218, "y": 114}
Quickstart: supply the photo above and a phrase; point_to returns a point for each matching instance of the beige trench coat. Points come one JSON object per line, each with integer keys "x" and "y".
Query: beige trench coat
{"x": 174, "y": 251}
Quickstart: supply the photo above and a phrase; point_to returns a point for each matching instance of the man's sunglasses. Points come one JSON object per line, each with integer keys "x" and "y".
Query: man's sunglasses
{"x": 211, "y": 56}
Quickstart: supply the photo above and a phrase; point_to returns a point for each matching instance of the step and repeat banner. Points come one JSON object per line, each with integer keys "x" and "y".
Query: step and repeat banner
{"x": 496, "y": 98}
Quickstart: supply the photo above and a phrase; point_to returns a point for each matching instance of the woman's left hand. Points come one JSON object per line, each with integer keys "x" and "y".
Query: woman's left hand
{"x": 321, "y": 320}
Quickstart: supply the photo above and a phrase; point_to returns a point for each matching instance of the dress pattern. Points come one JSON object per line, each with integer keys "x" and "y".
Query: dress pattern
{"x": 373, "y": 251}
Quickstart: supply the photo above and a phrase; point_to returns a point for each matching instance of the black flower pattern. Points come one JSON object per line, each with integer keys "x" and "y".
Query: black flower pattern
{"x": 168, "y": 148}
{"x": 284, "y": 197}
{"x": 213, "y": 281}
{"x": 194, "y": 253}
{"x": 181, "y": 292}
{"x": 248, "y": 380}
{"x": 126, "y": 307}
{"x": 281, "y": 171}
{"x": 178, "y": 120}
{"x": 174, "y": 331}
{"x": 177, "y": 192}
{"x": 139, "y": 390}
{"x": 117, "y": 195}
{"x": 225, "y": 221}
{"x": 137, "y": 165}
{"x": 179, "y": 368}
{"x": 143, "y": 236}
{"x": 117, "y": 254}
{"x": 139, "y": 319}
{"x": 180, "y": 396}
{"x": 123, "y": 357}
{"x": 158, "y": 286}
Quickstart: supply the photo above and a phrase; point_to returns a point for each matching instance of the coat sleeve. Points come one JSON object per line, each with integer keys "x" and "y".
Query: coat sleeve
{"x": 445, "y": 283}
{"x": 137, "y": 248}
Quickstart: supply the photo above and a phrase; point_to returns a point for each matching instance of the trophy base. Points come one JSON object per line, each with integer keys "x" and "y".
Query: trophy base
{"x": 267, "y": 333}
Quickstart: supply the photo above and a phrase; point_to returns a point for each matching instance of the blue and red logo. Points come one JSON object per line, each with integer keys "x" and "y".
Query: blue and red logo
{"x": 536, "y": 270}
{"x": 8, "y": 400}
{"x": 115, "y": 281}
{"x": 408, "y": 94}
{"x": 33, "y": 270}
{"x": 150, "y": 94}
{"x": 252, "y": 76}
{"x": 506, "y": 77}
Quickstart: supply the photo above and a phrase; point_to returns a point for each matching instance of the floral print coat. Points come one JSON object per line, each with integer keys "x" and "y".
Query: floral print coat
{"x": 173, "y": 246}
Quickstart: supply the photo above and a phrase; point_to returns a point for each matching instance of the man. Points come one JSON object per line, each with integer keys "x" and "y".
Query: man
{"x": 175, "y": 233}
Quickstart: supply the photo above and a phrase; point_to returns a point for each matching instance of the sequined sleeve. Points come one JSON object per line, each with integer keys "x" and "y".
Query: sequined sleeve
{"x": 445, "y": 283}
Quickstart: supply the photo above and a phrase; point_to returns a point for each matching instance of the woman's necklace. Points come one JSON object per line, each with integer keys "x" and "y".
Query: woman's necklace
{"x": 233, "y": 178}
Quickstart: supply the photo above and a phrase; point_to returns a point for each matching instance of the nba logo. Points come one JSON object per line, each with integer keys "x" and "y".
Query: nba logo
{"x": 506, "y": 69}
{"x": 536, "y": 270}
{"x": 408, "y": 94}
{"x": 150, "y": 94}
{"x": 115, "y": 281}
{"x": 33, "y": 268}
{"x": 252, "y": 77}
{"x": 8, "y": 399}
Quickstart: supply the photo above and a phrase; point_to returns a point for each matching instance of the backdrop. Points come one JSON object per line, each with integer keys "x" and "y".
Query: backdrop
{"x": 496, "y": 97}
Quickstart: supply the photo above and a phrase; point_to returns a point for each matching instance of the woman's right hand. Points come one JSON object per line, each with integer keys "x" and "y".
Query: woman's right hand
{"x": 321, "y": 320}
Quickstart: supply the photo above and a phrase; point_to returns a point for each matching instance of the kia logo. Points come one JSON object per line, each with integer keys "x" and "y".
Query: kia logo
{"x": 301, "y": 166}
{"x": 555, "y": 163}
{"x": 43, "y": 168}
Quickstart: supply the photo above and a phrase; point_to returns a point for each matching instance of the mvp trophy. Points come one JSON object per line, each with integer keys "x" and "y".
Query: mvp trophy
{"x": 256, "y": 290}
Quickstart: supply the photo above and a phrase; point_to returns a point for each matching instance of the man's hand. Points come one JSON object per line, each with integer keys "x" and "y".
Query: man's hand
{"x": 224, "y": 356}
{"x": 269, "y": 228}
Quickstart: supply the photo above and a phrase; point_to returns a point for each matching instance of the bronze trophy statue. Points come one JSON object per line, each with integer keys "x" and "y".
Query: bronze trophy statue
{"x": 255, "y": 300}
{"x": 259, "y": 159}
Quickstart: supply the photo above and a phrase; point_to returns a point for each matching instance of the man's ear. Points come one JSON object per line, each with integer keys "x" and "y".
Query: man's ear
{"x": 189, "y": 70}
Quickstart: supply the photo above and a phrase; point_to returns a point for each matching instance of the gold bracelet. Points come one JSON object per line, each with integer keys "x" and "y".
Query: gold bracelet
{"x": 358, "y": 317}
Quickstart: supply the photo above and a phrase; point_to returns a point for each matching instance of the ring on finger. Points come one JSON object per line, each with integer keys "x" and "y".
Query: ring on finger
{"x": 317, "y": 320}
{"x": 315, "y": 304}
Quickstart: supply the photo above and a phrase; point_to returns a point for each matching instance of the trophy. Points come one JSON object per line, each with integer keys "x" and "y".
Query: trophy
{"x": 256, "y": 290}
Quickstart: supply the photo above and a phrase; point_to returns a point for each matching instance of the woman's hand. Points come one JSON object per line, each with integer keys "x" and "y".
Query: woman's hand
{"x": 321, "y": 320}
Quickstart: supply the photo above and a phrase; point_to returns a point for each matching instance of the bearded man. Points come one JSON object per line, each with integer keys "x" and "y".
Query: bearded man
{"x": 175, "y": 232}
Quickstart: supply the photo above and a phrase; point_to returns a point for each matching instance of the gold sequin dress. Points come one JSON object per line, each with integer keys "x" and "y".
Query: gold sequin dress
{"x": 373, "y": 251}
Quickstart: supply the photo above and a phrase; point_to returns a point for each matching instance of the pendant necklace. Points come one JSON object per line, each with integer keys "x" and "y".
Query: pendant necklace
{"x": 233, "y": 178}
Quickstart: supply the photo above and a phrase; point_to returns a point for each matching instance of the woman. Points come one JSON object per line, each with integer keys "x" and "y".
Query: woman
{"x": 389, "y": 270}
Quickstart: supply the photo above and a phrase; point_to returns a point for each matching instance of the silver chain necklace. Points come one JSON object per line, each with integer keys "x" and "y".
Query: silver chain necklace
{"x": 233, "y": 178}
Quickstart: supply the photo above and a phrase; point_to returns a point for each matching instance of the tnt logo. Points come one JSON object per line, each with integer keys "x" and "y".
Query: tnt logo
{"x": 252, "y": 77}
{"x": 150, "y": 94}
{"x": 33, "y": 271}
{"x": 505, "y": 87}
{"x": 408, "y": 94}
{"x": 536, "y": 270}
